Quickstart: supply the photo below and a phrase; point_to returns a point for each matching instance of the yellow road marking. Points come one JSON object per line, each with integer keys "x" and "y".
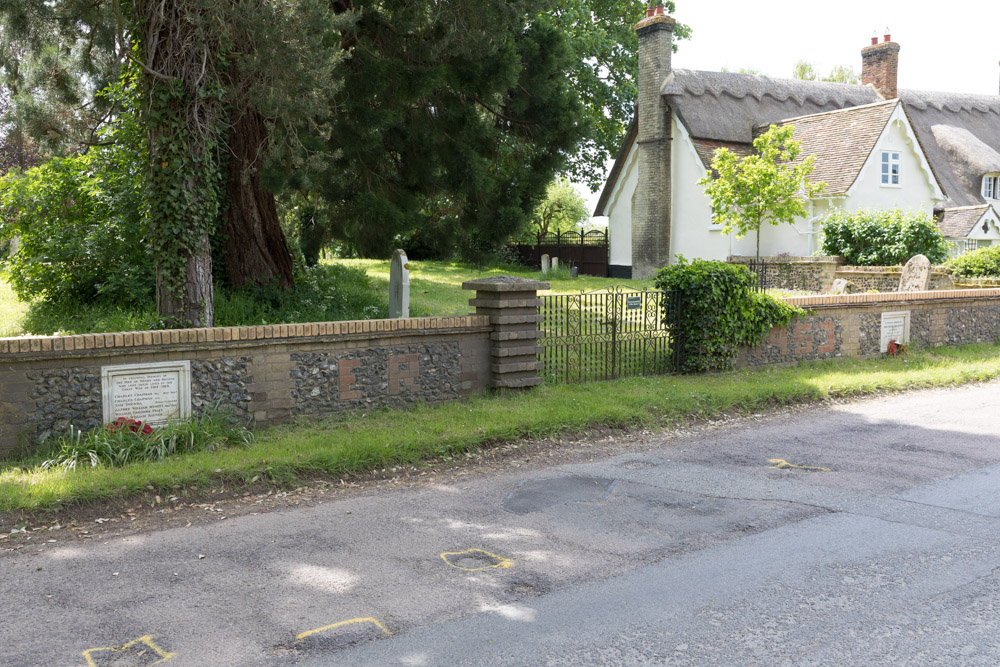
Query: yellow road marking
{"x": 782, "y": 464}
{"x": 147, "y": 640}
{"x": 502, "y": 563}
{"x": 299, "y": 637}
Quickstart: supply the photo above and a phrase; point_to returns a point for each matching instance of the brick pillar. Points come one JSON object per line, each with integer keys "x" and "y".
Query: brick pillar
{"x": 512, "y": 306}
{"x": 651, "y": 205}
{"x": 879, "y": 66}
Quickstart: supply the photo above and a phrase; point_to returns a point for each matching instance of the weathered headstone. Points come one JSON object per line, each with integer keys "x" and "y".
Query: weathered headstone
{"x": 156, "y": 393}
{"x": 546, "y": 264}
{"x": 916, "y": 274}
{"x": 895, "y": 326}
{"x": 841, "y": 286}
{"x": 399, "y": 285}
{"x": 555, "y": 263}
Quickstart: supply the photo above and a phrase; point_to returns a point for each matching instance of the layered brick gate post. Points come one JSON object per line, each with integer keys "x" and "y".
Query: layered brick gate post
{"x": 512, "y": 304}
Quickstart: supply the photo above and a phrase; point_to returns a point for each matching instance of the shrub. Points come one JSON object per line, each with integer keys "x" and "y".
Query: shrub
{"x": 719, "y": 311}
{"x": 981, "y": 263}
{"x": 81, "y": 227}
{"x": 882, "y": 238}
{"x": 127, "y": 441}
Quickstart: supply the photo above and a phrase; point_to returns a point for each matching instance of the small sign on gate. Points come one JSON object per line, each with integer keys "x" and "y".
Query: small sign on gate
{"x": 633, "y": 302}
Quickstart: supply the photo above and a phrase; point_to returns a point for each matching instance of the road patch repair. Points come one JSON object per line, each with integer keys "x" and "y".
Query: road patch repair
{"x": 538, "y": 494}
{"x": 141, "y": 652}
{"x": 336, "y": 636}
{"x": 474, "y": 560}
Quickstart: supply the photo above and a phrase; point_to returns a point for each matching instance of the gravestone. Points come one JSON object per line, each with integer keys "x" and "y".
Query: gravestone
{"x": 546, "y": 265}
{"x": 916, "y": 274}
{"x": 841, "y": 286}
{"x": 154, "y": 393}
{"x": 399, "y": 285}
{"x": 555, "y": 263}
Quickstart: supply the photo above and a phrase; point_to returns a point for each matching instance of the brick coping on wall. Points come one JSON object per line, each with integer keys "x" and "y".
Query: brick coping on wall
{"x": 278, "y": 333}
{"x": 835, "y": 300}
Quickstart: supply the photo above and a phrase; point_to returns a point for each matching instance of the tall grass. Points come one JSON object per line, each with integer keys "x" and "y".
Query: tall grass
{"x": 117, "y": 445}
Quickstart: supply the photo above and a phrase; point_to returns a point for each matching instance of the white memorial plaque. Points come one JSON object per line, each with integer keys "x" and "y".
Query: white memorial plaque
{"x": 153, "y": 393}
{"x": 895, "y": 326}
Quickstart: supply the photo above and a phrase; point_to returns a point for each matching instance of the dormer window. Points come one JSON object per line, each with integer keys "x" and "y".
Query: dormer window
{"x": 890, "y": 168}
{"x": 991, "y": 186}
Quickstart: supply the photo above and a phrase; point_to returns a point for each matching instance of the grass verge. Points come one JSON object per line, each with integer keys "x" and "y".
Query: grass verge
{"x": 358, "y": 444}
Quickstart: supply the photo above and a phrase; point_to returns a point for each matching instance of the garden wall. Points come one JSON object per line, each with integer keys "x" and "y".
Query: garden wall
{"x": 851, "y": 325}
{"x": 269, "y": 374}
{"x": 266, "y": 373}
{"x": 886, "y": 278}
{"x": 813, "y": 274}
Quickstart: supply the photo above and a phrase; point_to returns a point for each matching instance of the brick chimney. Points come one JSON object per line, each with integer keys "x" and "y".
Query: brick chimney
{"x": 651, "y": 205}
{"x": 879, "y": 65}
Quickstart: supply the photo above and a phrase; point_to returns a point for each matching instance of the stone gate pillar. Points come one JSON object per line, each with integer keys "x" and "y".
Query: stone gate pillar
{"x": 512, "y": 305}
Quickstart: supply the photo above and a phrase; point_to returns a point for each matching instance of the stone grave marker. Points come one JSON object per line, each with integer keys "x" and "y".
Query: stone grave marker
{"x": 916, "y": 274}
{"x": 546, "y": 265}
{"x": 555, "y": 263}
{"x": 155, "y": 393}
{"x": 841, "y": 286}
{"x": 399, "y": 285}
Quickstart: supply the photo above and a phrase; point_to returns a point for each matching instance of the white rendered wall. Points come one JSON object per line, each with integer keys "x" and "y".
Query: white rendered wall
{"x": 915, "y": 192}
{"x": 693, "y": 234}
{"x": 619, "y": 212}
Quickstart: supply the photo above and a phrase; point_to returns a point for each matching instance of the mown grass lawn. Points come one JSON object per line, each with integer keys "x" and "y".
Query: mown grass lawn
{"x": 358, "y": 444}
{"x": 436, "y": 287}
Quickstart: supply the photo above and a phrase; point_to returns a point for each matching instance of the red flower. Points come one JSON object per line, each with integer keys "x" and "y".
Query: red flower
{"x": 133, "y": 425}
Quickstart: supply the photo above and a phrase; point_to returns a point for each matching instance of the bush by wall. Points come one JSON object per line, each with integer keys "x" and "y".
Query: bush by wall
{"x": 81, "y": 228}
{"x": 981, "y": 263}
{"x": 719, "y": 311}
{"x": 882, "y": 238}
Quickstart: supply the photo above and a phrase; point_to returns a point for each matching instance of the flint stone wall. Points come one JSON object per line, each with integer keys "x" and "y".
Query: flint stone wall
{"x": 850, "y": 325}
{"x": 260, "y": 375}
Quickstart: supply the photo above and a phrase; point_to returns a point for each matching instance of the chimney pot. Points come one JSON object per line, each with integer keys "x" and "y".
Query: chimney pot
{"x": 888, "y": 38}
{"x": 874, "y": 41}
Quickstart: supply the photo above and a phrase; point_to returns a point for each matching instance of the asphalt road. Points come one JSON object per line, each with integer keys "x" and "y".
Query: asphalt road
{"x": 857, "y": 534}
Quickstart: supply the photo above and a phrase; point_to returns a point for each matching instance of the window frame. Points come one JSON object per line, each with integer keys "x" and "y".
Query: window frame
{"x": 890, "y": 159}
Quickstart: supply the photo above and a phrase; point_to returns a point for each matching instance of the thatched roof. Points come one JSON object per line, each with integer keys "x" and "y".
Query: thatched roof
{"x": 960, "y": 135}
{"x": 724, "y": 106}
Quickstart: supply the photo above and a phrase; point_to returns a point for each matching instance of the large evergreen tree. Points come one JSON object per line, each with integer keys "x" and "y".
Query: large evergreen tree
{"x": 453, "y": 116}
{"x": 220, "y": 85}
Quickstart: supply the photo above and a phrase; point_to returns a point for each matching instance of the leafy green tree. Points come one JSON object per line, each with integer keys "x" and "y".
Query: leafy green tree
{"x": 562, "y": 210}
{"x": 221, "y": 87}
{"x": 602, "y": 35}
{"x": 840, "y": 74}
{"x": 763, "y": 187}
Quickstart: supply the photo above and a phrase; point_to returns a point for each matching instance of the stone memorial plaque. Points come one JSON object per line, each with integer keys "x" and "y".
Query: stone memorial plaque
{"x": 154, "y": 393}
{"x": 895, "y": 326}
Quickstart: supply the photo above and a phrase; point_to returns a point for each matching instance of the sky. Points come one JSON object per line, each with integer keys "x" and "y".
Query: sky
{"x": 948, "y": 46}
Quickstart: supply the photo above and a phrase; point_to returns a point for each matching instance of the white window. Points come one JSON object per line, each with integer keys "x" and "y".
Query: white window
{"x": 991, "y": 186}
{"x": 970, "y": 245}
{"x": 890, "y": 168}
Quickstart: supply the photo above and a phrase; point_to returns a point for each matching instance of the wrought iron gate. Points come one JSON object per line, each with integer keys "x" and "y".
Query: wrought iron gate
{"x": 609, "y": 333}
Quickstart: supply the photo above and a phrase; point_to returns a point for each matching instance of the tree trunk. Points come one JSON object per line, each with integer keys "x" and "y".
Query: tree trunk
{"x": 256, "y": 251}
{"x": 195, "y": 306}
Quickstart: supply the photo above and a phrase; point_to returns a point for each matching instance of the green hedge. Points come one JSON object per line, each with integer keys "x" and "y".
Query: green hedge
{"x": 719, "y": 311}
{"x": 882, "y": 238}
{"x": 981, "y": 263}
